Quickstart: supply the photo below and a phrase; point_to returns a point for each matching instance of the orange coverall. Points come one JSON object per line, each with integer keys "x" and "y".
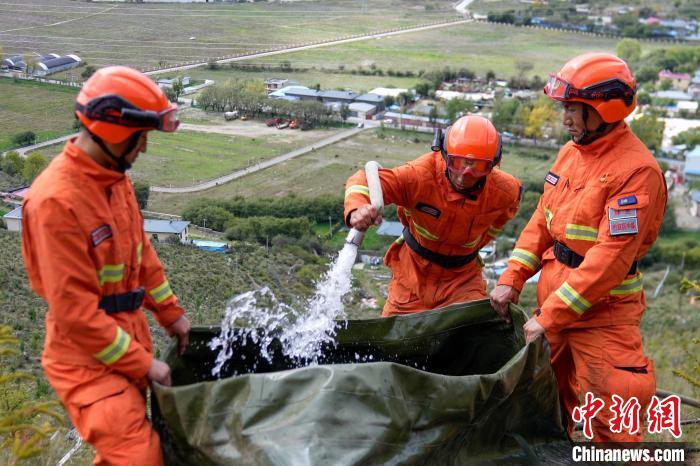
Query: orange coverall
{"x": 83, "y": 239}
{"x": 605, "y": 201}
{"x": 441, "y": 220}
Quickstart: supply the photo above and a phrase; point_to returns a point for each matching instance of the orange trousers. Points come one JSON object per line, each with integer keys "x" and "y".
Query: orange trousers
{"x": 108, "y": 412}
{"x": 604, "y": 361}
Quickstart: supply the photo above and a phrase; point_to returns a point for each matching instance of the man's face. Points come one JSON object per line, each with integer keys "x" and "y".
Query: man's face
{"x": 141, "y": 146}
{"x": 572, "y": 119}
{"x": 462, "y": 182}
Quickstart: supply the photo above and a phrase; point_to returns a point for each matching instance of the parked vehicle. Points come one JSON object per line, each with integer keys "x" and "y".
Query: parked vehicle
{"x": 273, "y": 121}
{"x": 294, "y": 124}
{"x": 228, "y": 116}
{"x": 283, "y": 124}
{"x": 244, "y": 118}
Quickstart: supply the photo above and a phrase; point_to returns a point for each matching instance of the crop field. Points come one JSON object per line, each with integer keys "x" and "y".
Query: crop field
{"x": 325, "y": 171}
{"x": 477, "y": 46}
{"x": 46, "y": 110}
{"x": 146, "y": 35}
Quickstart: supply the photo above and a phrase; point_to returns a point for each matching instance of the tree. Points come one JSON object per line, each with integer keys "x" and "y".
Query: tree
{"x": 344, "y": 112}
{"x": 541, "y": 115}
{"x": 178, "y": 88}
{"x": 142, "y": 191}
{"x": 423, "y": 89}
{"x": 88, "y": 71}
{"x": 629, "y": 50}
{"x": 457, "y": 107}
{"x": 33, "y": 165}
{"x": 490, "y": 75}
{"x": 504, "y": 111}
{"x": 689, "y": 137}
{"x": 389, "y": 100}
{"x": 523, "y": 67}
{"x": 649, "y": 129}
{"x": 665, "y": 84}
{"x": 25, "y": 138}
{"x": 12, "y": 163}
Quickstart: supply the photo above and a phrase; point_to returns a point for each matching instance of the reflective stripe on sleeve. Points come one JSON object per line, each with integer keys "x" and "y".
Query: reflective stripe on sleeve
{"x": 139, "y": 252}
{"x": 357, "y": 188}
{"x": 115, "y": 350}
{"x": 526, "y": 258}
{"x": 571, "y": 298}
{"x": 110, "y": 273}
{"x": 581, "y": 232}
{"x": 161, "y": 292}
{"x": 629, "y": 286}
{"x": 493, "y": 232}
{"x": 472, "y": 244}
{"x": 425, "y": 233}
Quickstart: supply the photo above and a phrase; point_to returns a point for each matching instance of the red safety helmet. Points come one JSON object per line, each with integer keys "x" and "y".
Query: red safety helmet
{"x": 117, "y": 102}
{"x": 471, "y": 146}
{"x": 600, "y": 80}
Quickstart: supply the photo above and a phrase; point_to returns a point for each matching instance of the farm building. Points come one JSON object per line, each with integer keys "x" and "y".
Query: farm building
{"x": 56, "y": 63}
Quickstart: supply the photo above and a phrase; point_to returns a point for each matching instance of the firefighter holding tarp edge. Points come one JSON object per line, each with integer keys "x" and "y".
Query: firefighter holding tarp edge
{"x": 87, "y": 255}
{"x": 603, "y": 203}
{"x": 452, "y": 202}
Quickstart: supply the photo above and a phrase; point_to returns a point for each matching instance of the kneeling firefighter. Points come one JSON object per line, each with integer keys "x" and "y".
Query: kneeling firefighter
{"x": 603, "y": 203}
{"x": 87, "y": 255}
{"x": 451, "y": 201}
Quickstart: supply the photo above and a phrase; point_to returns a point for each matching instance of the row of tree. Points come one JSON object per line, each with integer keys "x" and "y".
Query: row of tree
{"x": 25, "y": 169}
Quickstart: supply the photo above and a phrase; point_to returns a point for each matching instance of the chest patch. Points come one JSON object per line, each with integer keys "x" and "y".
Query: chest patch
{"x": 629, "y": 200}
{"x": 614, "y": 214}
{"x": 100, "y": 234}
{"x": 428, "y": 209}
{"x": 624, "y": 226}
{"x": 552, "y": 178}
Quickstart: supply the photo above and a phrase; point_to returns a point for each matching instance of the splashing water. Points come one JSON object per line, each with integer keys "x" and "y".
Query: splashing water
{"x": 259, "y": 316}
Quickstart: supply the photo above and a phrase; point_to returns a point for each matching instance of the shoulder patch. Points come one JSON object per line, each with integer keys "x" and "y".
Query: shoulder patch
{"x": 552, "y": 178}
{"x": 428, "y": 209}
{"x": 624, "y": 226}
{"x": 628, "y": 200}
{"x": 100, "y": 234}
{"x": 614, "y": 214}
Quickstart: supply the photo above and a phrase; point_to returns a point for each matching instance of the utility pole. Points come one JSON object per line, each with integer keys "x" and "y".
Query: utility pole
{"x": 205, "y": 223}
{"x": 330, "y": 227}
{"x": 364, "y": 6}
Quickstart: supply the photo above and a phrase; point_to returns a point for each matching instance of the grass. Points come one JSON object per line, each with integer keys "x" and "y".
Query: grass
{"x": 181, "y": 158}
{"x": 143, "y": 35}
{"x": 46, "y": 110}
{"x": 479, "y": 47}
{"x": 325, "y": 171}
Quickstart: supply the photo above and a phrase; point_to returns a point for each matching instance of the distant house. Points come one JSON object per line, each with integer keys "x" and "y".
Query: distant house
{"x": 13, "y": 219}
{"x": 694, "y": 88}
{"x": 413, "y": 121}
{"x": 691, "y": 170}
{"x": 674, "y": 95}
{"x": 342, "y": 97}
{"x": 211, "y": 246}
{"x": 55, "y": 64}
{"x": 168, "y": 82}
{"x": 695, "y": 203}
{"x": 14, "y": 63}
{"x": 390, "y": 228}
{"x": 386, "y": 91}
{"x": 680, "y": 80}
{"x": 303, "y": 93}
{"x": 164, "y": 230}
{"x": 286, "y": 93}
{"x": 372, "y": 99}
{"x": 274, "y": 84}
{"x": 362, "y": 110}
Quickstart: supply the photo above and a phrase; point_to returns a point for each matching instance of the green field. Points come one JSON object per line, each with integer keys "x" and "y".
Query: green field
{"x": 46, "y": 110}
{"x": 477, "y": 46}
{"x": 326, "y": 170}
{"x": 144, "y": 35}
{"x": 187, "y": 157}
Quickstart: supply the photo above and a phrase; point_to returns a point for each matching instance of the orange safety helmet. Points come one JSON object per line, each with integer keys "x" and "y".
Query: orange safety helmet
{"x": 600, "y": 80}
{"x": 471, "y": 145}
{"x": 117, "y": 102}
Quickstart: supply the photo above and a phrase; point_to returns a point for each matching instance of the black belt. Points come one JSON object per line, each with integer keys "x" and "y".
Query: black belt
{"x": 123, "y": 302}
{"x": 449, "y": 262}
{"x": 569, "y": 258}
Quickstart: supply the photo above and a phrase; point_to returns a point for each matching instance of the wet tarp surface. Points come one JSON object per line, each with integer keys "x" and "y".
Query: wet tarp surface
{"x": 450, "y": 386}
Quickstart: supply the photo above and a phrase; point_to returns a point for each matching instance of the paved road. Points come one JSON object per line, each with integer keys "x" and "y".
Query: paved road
{"x": 261, "y": 166}
{"x": 22, "y": 151}
{"x": 255, "y": 55}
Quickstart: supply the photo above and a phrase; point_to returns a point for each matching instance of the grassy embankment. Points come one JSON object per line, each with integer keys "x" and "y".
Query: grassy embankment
{"x": 44, "y": 109}
{"x": 118, "y": 36}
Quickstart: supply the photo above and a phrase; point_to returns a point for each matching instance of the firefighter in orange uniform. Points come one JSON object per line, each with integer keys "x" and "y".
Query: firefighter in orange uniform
{"x": 603, "y": 204}
{"x": 452, "y": 202}
{"x": 87, "y": 255}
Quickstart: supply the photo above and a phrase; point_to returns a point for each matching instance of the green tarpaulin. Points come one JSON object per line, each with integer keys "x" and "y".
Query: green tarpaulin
{"x": 450, "y": 386}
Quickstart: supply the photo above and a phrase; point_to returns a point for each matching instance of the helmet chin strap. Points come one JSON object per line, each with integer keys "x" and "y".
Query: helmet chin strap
{"x": 122, "y": 164}
{"x": 589, "y": 136}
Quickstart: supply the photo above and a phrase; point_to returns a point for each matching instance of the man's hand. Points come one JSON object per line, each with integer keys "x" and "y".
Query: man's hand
{"x": 181, "y": 329}
{"x": 501, "y": 297}
{"x": 159, "y": 372}
{"x": 364, "y": 217}
{"x": 532, "y": 329}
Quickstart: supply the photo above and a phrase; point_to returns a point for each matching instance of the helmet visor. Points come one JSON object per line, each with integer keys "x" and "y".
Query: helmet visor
{"x": 460, "y": 165}
{"x": 169, "y": 119}
{"x": 559, "y": 89}
{"x": 119, "y": 111}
